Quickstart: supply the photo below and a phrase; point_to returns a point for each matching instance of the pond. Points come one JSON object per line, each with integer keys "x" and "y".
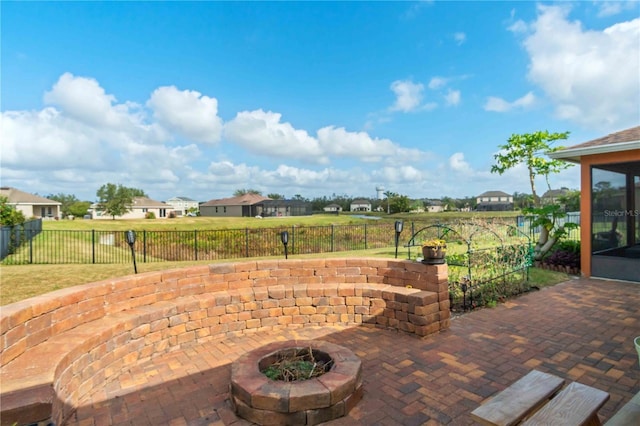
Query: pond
{"x": 362, "y": 216}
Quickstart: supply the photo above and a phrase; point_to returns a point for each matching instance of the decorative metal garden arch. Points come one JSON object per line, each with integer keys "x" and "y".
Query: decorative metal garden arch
{"x": 483, "y": 260}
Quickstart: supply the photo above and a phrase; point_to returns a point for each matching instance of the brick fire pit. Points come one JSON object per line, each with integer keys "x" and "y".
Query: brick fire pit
{"x": 263, "y": 401}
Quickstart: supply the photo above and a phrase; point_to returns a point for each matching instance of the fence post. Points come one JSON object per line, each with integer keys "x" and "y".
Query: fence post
{"x": 31, "y": 247}
{"x": 144, "y": 246}
{"x": 365, "y": 236}
{"x": 333, "y": 230}
{"x": 195, "y": 243}
{"x": 293, "y": 239}
{"x": 93, "y": 246}
{"x": 246, "y": 242}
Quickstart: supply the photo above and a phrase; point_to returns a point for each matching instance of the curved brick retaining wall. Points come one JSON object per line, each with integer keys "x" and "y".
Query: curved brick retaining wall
{"x": 56, "y": 348}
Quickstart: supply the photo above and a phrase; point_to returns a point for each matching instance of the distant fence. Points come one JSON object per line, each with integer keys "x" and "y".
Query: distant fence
{"x": 12, "y": 237}
{"x": 85, "y": 247}
{"x": 524, "y": 224}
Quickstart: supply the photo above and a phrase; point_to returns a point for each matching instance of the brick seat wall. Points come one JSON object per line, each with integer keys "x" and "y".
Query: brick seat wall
{"x": 58, "y": 347}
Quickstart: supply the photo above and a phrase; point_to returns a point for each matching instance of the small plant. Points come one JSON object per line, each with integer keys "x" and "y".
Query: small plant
{"x": 297, "y": 366}
{"x": 435, "y": 243}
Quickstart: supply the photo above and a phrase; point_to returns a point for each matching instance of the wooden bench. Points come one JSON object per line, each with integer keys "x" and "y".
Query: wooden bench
{"x": 629, "y": 414}
{"x": 534, "y": 400}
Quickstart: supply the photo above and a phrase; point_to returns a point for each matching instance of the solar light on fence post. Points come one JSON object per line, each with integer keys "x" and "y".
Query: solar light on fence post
{"x": 399, "y": 225}
{"x": 130, "y": 236}
{"x": 284, "y": 237}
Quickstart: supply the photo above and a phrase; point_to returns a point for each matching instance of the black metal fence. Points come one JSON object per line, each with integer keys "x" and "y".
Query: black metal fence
{"x": 524, "y": 224}
{"x": 85, "y": 247}
{"x": 12, "y": 237}
{"x": 33, "y": 245}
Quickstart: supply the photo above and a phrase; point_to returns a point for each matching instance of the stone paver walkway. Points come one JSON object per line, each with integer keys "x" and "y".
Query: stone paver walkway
{"x": 580, "y": 330}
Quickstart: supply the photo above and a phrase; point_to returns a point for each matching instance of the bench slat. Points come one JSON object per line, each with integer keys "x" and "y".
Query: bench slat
{"x": 520, "y": 399}
{"x": 629, "y": 414}
{"x": 577, "y": 404}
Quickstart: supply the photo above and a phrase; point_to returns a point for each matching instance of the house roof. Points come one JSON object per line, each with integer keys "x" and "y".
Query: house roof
{"x": 360, "y": 201}
{"x": 552, "y": 193}
{"x": 242, "y": 200}
{"x": 332, "y": 205}
{"x": 145, "y": 202}
{"x": 494, "y": 194}
{"x": 15, "y": 196}
{"x": 181, "y": 199}
{"x": 623, "y": 140}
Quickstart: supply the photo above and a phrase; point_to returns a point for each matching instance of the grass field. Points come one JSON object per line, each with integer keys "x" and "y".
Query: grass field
{"x": 191, "y": 223}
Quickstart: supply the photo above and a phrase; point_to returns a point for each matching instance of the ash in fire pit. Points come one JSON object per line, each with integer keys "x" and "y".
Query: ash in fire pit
{"x": 331, "y": 389}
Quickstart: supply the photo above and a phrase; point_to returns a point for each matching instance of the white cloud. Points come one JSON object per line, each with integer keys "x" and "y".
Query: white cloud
{"x": 460, "y": 38}
{"x": 403, "y": 175}
{"x": 86, "y": 140}
{"x": 518, "y": 27}
{"x": 85, "y": 100}
{"x": 591, "y": 76}
{"x": 610, "y": 8}
{"x": 227, "y": 176}
{"x": 187, "y": 112}
{"x": 408, "y": 95}
{"x": 437, "y": 82}
{"x": 340, "y": 143}
{"x": 262, "y": 133}
{"x": 47, "y": 139}
{"x": 500, "y": 105}
{"x": 458, "y": 163}
{"x": 452, "y": 97}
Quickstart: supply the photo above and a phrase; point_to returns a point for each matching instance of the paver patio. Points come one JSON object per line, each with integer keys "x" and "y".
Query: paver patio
{"x": 581, "y": 330}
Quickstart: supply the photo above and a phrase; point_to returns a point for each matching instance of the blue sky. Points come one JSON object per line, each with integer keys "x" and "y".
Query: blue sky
{"x": 200, "y": 99}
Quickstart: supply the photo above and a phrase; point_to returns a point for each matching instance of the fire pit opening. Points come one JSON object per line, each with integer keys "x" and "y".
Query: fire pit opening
{"x": 295, "y": 364}
{"x": 266, "y": 391}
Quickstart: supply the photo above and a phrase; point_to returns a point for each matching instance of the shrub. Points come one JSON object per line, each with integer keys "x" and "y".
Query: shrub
{"x": 563, "y": 257}
{"x": 569, "y": 245}
{"x": 150, "y": 215}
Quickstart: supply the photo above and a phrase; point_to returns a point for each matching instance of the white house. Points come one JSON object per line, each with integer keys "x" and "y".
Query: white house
{"x": 360, "y": 205}
{"x": 31, "y": 205}
{"x": 494, "y": 201}
{"x": 141, "y": 207}
{"x": 181, "y": 205}
{"x": 435, "y": 206}
{"x": 332, "y": 208}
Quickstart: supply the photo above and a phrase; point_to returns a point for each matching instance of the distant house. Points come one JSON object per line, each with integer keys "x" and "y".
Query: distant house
{"x": 332, "y": 208}
{"x": 31, "y": 205}
{"x": 435, "y": 206}
{"x": 250, "y": 205}
{"x": 552, "y": 196}
{"x": 360, "y": 205}
{"x": 182, "y": 205}
{"x": 494, "y": 201}
{"x": 141, "y": 207}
